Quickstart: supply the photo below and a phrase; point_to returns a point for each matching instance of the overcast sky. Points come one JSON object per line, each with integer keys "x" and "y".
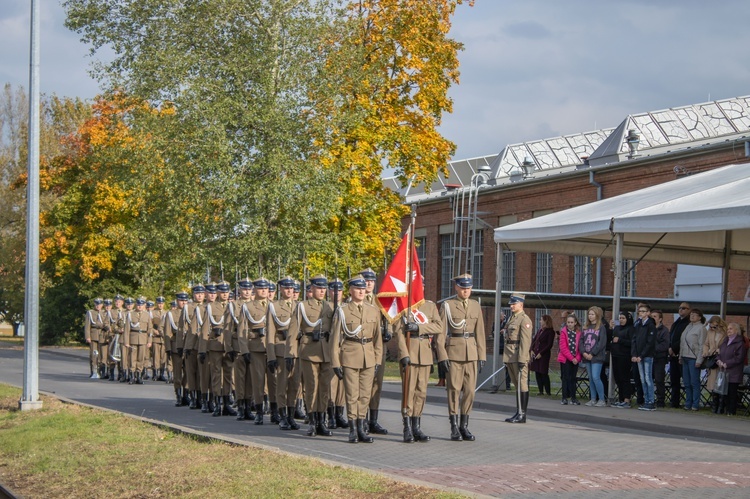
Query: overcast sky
{"x": 531, "y": 69}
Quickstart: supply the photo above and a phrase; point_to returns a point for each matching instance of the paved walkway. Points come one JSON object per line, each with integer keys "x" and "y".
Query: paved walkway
{"x": 563, "y": 451}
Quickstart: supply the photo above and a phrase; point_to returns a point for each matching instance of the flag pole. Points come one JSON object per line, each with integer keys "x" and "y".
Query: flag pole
{"x": 407, "y": 335}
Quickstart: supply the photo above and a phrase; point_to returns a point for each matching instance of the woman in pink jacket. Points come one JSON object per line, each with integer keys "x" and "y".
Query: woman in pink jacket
{"x": 569, "y": 357}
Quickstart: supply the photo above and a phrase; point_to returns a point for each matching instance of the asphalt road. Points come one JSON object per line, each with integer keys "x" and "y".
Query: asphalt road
{"x": 545, "y": 457}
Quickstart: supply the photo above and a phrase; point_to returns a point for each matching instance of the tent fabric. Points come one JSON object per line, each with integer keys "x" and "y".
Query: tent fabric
{"x": 690, "y": 218}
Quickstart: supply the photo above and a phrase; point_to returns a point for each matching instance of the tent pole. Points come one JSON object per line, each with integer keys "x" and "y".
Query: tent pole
{"x": 725, "y": 273}
{"x": 615, "y": 305}
{"x": 498, "y": 304}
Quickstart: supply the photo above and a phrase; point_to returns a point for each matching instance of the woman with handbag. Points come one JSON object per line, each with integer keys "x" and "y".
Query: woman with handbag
{"x": 732, "y": 354}
{"x": 691, "y": 357}
{"x": 717, "y": 331}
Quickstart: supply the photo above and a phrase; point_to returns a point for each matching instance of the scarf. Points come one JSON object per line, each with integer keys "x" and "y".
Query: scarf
{"x": 572, "y": 342}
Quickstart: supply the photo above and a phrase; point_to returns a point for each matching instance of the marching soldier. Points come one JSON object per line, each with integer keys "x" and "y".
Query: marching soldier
{"x": 92, "y": 331}
{"x": 127, "y": 375}
{"x": 232, "y": 339}
{"x": 118, "y": 327}
{"x": 385, "y": 332}
{"x": 253, "y": 327}
{"x": 138, "y": 328}
{"x": 357, "y": 350}
{"x": 211, "y": 348}
{"x": 105, "y": 337}
{"x": 191, "y": 321}
{"x": 158, "y": 352}
{"x": 421, "y": 326}
{"x": 204, "y": 400}
{"x": 309, "y": 340}
{"x": 337, "y": 403}
{"x": 148, "y": 357}
{"x": 176, "y": 339}
{"x": 461, "y": 349}
{"x": 278, "y": 321}
{"x": 516, "y": 355}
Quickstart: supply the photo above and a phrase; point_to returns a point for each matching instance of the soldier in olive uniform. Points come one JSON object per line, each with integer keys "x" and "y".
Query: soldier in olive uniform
{"x": 253, "y": 327}
{"x": 125, "y": 353}
{"x": 138, "y": 328}
{"x": 337, "y": 402}
{"x": 299, "y": 406}
{"x": 461, "y": 347}
{"x": 204, "y": 392}
{"x": 357, "y": 351}
{"x": 92, "y": 331}
{"x": 191, "y": 321}
{"x": 278, "y": 321}
{"x": 176, "y": 336}
{"x": 211, "y": 351}
{"x": 158, "y": 352}
{"x": 232, "y": 339}
{"x": 309, "y": 340}
{"x": 372, "y": 424}
{"x": 148, "y": 362}
{"x": 422, "y": 324}
{"x": 118, "y": 327}
{"x": 516, "y": 355}
{"x": 105, "y": 337}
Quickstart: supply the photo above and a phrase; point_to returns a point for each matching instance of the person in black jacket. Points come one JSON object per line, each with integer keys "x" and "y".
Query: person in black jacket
{"x": 643, "y": 349}
{"x": 675, "y": 369}
{"x": 662, "y": 356}
{"x": 622, "y": 336}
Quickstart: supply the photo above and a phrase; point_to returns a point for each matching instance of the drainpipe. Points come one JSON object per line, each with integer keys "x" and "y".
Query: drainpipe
{"x": 598, "y": 283}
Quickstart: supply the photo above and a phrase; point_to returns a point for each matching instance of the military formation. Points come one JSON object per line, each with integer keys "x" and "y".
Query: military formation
{"x": 263, "y": 350}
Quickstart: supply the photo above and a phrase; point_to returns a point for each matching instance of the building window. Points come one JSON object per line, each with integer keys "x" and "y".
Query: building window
{"x": 544, "y": 272}
{"x": 477, "y": 267}
{"x": 421, "y": 244}
{"x": 628, "y": 282}
{"x": 509, "y": 271}
{"x": 446, "y": 265}
{"x": 583, "y": 277}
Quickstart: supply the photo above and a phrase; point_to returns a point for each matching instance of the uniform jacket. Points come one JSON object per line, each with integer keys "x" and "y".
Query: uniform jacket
{"x": 172, "y": 330}
{"x": 138, "y": 328}
{"x": 232, "y": 337}
{"x": 353, "y": 348}
{"x": 118, "y": 314}
{"x": 93, "y": 325}
{"x": 430, "y": 324}
{"x": 518, "y": 333}
{"x": 279, "y": 319}
{"x": 157, "y": 321}
{"x": 212, "y": 330}
{"x": 469, "y": 323}
{"x": 191, "y": 322}
{"x": 300, "y": 341}
{"x": 253, "y": 327}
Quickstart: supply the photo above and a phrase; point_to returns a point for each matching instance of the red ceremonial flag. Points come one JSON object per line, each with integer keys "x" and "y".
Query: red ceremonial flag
{"x": 394, "y": 292}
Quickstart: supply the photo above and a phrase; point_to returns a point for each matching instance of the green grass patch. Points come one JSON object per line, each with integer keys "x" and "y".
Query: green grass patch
{"x": 69, "y": 450}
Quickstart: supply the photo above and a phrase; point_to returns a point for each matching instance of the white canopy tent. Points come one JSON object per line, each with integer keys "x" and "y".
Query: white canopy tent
{"x": 702, "y": 219}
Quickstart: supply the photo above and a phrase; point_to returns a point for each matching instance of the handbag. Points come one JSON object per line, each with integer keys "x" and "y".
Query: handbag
{"x": 709, "y": 362}
{"x": 721, "y": 387}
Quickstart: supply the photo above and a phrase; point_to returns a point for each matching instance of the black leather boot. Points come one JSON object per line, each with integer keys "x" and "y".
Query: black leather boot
{"x": 217, "y": 407}
{"x": 363, "y": 437}
{"x": 290, "y": 419}
{"x": 299, "y": 410}
{"x": 521, "y": 418}
{"x": 210, "y": 403}
{"x": 129, "y": 377}
{"x": 417, "y": 431}
{"x": 249, "y": 410}
{"x": 374, "y": 425}
{"x": 204, "y": 403}
{"x": 331, "y": 417}
{"x": 275, "y": 418}
{"x": 258, "y": 413}
{"x": 228, "y": 411}
{"x": 353, "y": 439}
{"x": 518, "y": 410}
{"x": 312, "y": 429}
{"x": 138, "y": 378}
{"x": 241, "y": 410}
{"x": 112, "y": 374}
{"x": 284, "y": 423}
{"x": 321, "y": 428}
{"x": 185, "y": 399}
{"x": 178, "y": 394}
{"x": 455, "y": 434}
{"x": 194, "y": 397}
{"x": 408, "y": 435}
{"x": 341, "y": 421}
{"x": 144, "y": 375}
{"x": 464, "y": 428}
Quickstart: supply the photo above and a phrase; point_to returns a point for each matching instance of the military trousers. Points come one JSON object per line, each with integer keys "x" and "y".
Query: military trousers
{"x": 136, "y": 357}
{"x": 258, "y": 372}
{"x": 103, "y": 353}
{"x": 158, "y": 355}
{"x": 178, "y": 371}
{"x": 358, "y": 388}
{"x": 338, "y": 393}
{"x": 519, "y": 378}
{"x": 416, "y": 389}
{"x": 221, "y": 372}
{"x": 191, "y": 371}
{"x": 124, "y": 354}
{"x": 94, "y": 355}
{"x": 243, "y": 385}
{"x": 204, "y": 376}
{"x": 460, "y": 384}
{"x": 287, "y": 385}
{"x": 316, "y": 377}
{"x": 377, "y": 384}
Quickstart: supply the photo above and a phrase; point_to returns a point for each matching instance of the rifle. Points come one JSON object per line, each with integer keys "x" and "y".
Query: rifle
{"x": 407, "y": 335}
{"x": 335, "y": 278}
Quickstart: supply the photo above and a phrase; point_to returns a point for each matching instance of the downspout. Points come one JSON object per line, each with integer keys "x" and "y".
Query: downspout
{"x": 598, "y": 283}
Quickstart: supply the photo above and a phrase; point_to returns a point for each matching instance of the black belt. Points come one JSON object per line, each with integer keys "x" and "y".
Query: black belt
{"x": 261, "y": 331}
{"x": 359, "y": 340}
{"x": 136, "y": 331}
{"x": 463, "y": 335}
{"x": 420, "y": 336}
{"x": 512, "y": 342}
{"x": 282, "y": 332}
{"x": 322, "y": 333}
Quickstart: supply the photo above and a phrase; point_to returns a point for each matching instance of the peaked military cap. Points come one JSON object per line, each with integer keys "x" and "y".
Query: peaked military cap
{"x": 245, "y": 283}
{"x": 262, "y": 283}
{"x": 211, "y": 288}
{"x": 149, "y": 303}
{"x": 357, "y": 281}
{"x": 297, "y": 287}
{"x": 129, "y": 300}
{"x": 463, "y": 281}
{"x": 107, "y": 301}
{"x": 336, "y": 285}
{"x": 199, "y": 288}
{"x": 119, "y": 297}
{"x": 286, "y": 282}
{"x": 173, "y": 303}
{"x": 160, "y": 299}
{"x": 141, "y": 300}
{"x": 182, "y": 295}
{"x": 319, "y": 281}
{"x": 516, "y": 298}
{"x": 223, "y": 287}
{"x": 98, "y": 301}
{"x": 368, "y": 274}
{"x": 271, "y": 287}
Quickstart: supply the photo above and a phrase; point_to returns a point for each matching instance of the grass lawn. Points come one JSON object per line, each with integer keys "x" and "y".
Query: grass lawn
{"x": 65, "y": 450}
